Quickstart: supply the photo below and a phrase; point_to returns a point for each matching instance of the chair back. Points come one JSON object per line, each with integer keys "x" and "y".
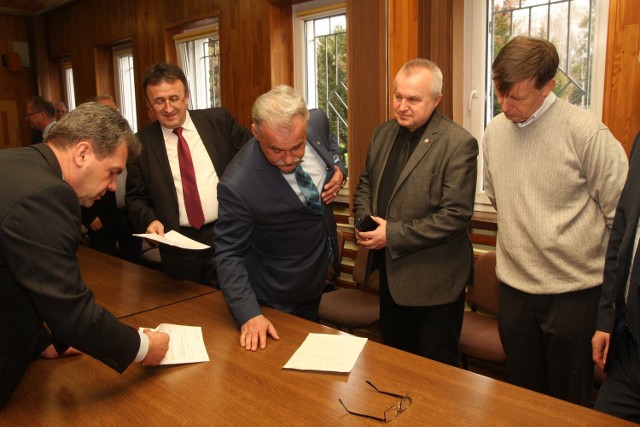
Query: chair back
{"x": 484, "y": 295}
{"x": 340, "y": 241}
{"x": 361, "y": 274}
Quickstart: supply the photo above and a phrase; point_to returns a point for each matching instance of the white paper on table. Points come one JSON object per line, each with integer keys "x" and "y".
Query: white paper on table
{"x": 174, "y": 238}
{"x": 185, "y": 344}
{"x": 327, "y": 352}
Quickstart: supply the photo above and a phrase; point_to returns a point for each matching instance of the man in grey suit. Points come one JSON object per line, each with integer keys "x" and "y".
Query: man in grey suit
{"x": 275, "y": 235}
{"x": 418, "y": 184}
{"x": 44, "y": 302}
{"x": 155, "y": 184}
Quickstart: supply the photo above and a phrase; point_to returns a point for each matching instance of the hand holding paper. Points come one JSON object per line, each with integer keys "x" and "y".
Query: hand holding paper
{"x": 174, "y": 238}
{"x": 185, "y": 344}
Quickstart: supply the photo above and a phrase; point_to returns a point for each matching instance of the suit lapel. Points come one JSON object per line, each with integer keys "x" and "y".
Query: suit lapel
{"x": 424, "y": 146}
{"x": 272, "y": 177}
{"x": 157, "y": 149}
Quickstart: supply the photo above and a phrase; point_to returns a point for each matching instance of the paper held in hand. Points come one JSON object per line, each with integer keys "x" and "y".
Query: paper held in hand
{"x": 174, "y": 238}
{"x": 185, "y": 344}
{"x": 327, "y": 352}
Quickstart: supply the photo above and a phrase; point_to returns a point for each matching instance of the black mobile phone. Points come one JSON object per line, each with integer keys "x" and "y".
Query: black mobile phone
{"x": 366, "y": 223}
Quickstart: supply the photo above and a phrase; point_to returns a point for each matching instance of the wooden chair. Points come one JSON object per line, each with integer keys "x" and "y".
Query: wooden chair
{"x": 354, "y": 308}
{"x": 479, "y": 338}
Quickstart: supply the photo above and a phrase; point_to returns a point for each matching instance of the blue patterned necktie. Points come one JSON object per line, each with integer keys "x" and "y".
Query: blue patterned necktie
{"x": 309, "y": 189}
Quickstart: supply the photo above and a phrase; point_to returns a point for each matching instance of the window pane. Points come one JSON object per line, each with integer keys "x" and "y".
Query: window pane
{"x": 200, "y": 60}
{"x": 326, "y": 80}
{"x": 566, "y": 23}
{"x": 127, "y": 91}
{"x": 71, "y": 95}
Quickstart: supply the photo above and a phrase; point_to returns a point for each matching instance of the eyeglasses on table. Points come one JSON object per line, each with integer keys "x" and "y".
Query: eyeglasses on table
{"x": 390, "y": 413}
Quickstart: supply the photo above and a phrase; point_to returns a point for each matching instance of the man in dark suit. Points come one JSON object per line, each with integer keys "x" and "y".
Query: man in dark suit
{"x": 276, "y": 234}
{"x": 419, "y": 185}
{"x": 107, "y": 220}
{"x": 44, "y": 302}
{"x": 155, "y": 184}
{"x": 617, "y": 338}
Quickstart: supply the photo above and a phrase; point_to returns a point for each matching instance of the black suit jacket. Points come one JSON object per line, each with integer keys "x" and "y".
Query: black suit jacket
{"x": 270, "y": 247}
{"x": 40, "y": 280}
{"x": 106, "y": 209}
{"x": 620, "y": 253}
{"x": 151, "y": 193}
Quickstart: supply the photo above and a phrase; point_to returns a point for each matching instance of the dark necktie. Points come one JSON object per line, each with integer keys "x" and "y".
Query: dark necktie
{"x": 309, "y": 189}
{"x": 631, "y": 310}
{"x": 192, "y": 202}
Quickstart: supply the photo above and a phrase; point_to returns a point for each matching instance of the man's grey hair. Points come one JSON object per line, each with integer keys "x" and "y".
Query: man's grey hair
{"x": 418, "y": 64}
{"x": 278, "y": 107}
{"x": 102, "y": 126}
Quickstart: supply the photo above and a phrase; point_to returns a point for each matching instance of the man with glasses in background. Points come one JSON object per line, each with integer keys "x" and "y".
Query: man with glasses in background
{"x": 61, "y": 109}
{"x": 42, "y": 116}
{"x": 172, "y": 185}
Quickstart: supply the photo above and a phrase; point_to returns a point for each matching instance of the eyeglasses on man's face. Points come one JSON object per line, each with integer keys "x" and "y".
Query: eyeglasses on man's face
{"x": 159, "y": 103}
{"x": 390, "y": 413}
{"x": 31, "y": 114}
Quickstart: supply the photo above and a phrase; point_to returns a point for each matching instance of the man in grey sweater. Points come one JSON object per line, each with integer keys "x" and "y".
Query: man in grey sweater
{"x": 554, "y": 174}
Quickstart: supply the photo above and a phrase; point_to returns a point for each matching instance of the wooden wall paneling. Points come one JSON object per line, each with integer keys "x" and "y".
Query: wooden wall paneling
{"x": 103, "y": 64}
{"x": 15, "y": 86}
{"x": 458, "y": 97}
{"x": 246, "y": 70}
{"x": 147, "y": 47}
{"x": 281, "y": 43}
{"x": 436, "y": 44}
{"x": 403, "y": 38}
{"x": 10, "y": 134}
{"x": 621, "y": 110}
{"x": 368, "y": 79}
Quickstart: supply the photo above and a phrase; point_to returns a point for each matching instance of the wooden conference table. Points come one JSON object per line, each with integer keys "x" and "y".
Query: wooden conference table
{"x": 245, "y": 388}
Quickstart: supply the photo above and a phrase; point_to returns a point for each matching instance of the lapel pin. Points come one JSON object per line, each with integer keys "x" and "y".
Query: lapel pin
{"x": 426, "y": 140}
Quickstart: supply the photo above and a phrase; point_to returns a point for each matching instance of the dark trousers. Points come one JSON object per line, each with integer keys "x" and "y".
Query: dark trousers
{"x": 547, "y": 341}
{"x": 305, "y": 310}
{"x": 195, "y": 265}
{"x": 118, "y": 242}
{"x": 432, "y": 331}
{"x": 619, "y": 395}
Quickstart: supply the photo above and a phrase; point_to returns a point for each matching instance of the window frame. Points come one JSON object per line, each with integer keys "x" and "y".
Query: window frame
{"x": 477, "y": 74}
{"x": 195, "y": 34}
{"x": 66, "y": 67}
{"x": 126, "y": 103}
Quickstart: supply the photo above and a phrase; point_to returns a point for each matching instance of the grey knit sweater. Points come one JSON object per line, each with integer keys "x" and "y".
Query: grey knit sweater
{"x": 555, "y": 185}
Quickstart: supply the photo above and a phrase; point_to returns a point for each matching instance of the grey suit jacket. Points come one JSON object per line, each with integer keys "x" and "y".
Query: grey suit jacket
{"x": 151, "y": 193}
{"x": 270, "y": 247}
{"x": 429, "y": 253}
{"x": 40, "y": 279}
{"x": 618, "y": 261}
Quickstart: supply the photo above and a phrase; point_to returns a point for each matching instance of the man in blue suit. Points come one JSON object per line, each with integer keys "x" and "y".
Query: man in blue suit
{"x": 273, "y": 239}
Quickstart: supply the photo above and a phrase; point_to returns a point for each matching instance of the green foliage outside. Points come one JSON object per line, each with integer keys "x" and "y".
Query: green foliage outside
{"x": 573, "y": 77}
{"x": 331, "y": 65}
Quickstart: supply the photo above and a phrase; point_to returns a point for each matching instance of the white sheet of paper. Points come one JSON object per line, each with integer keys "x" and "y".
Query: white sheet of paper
{"x": 327, "y": 352}
{"x": 185, "y": 344}
{"x": 174, "y": 238}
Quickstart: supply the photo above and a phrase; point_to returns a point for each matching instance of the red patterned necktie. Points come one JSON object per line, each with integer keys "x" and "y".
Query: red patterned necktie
{"x": 192, "y": 202}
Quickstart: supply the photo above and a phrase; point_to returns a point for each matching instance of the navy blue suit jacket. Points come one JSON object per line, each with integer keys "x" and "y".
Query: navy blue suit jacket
{"x": 270, "y": 247}
{"x": 619, "y": 255}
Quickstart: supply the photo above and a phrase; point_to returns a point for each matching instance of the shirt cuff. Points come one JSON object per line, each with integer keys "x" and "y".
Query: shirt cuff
{"x": 144, "y": 347}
